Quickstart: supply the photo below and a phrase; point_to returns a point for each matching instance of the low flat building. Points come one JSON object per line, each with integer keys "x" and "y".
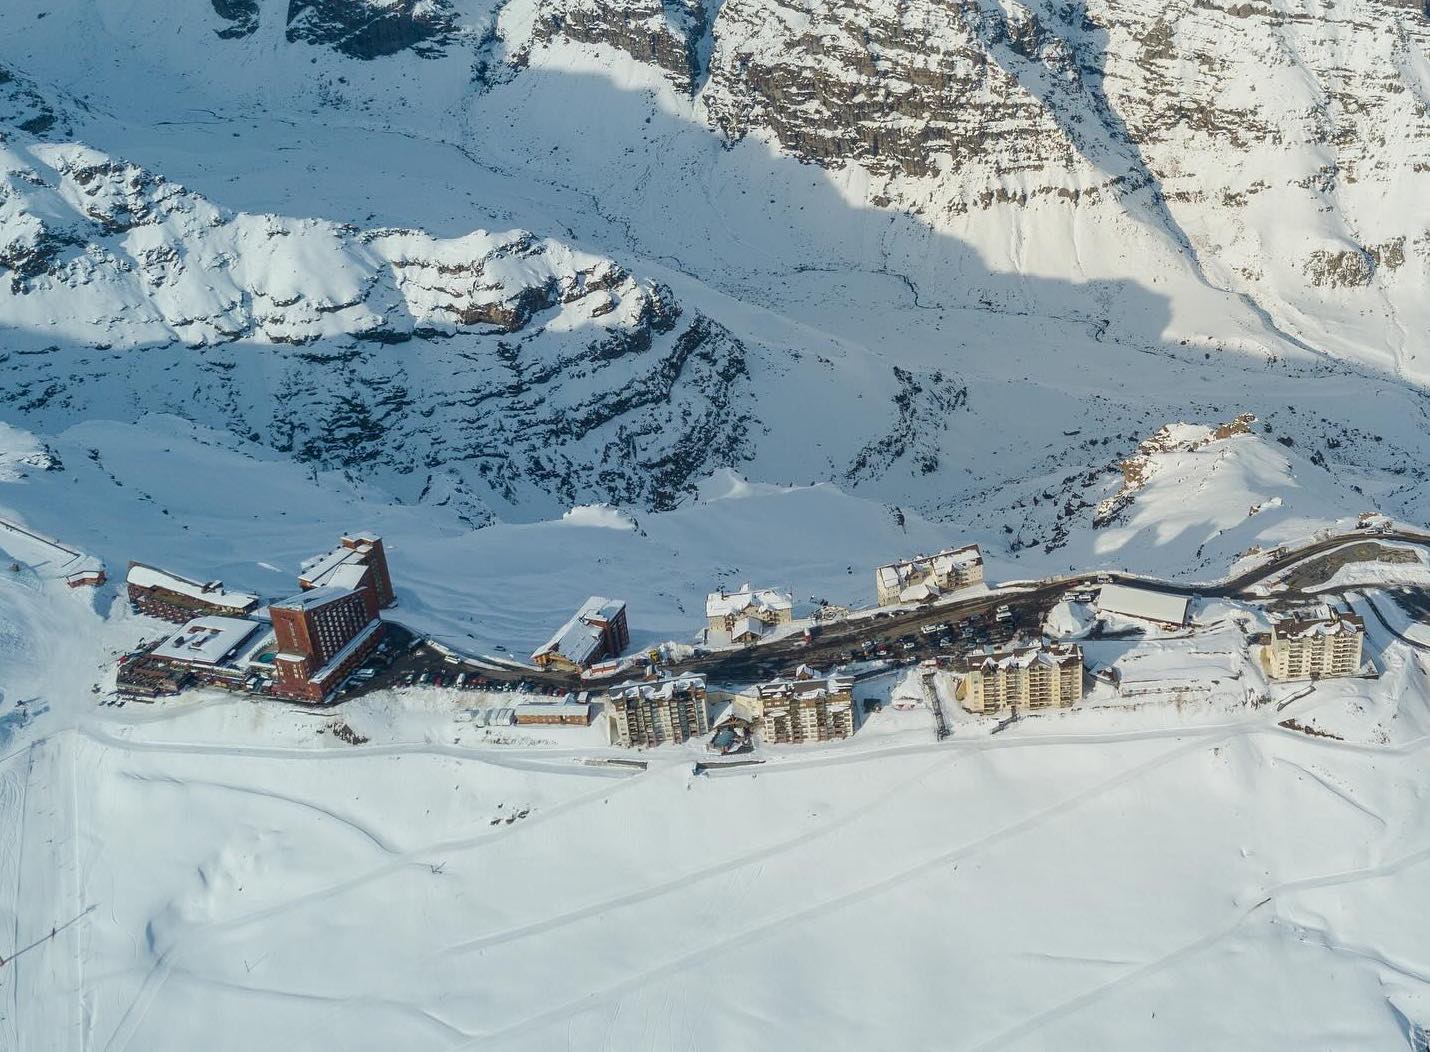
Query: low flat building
{"x": 807, "y": 707}
{"x": 595, "y": 632}
{"x": 569, "y": 713}
{"x": 1315, "y": 647}
{"x": 1035, "y": 676}
{"x": 357, "y": 562}
{"x": 160, "y": 593}
{"x": 749, "y": 614}
{"x": 209, "y": 647}
{"x": 925, "y": 577}
{"x": 146, "y": 677}
{"x": 652, "y": 712}
{"x": 1143, "y": 604}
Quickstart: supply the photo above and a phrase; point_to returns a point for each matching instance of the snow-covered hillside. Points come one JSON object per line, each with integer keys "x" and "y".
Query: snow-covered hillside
{"x": 1093, "y": 223}
{"x": 641, "y": 298}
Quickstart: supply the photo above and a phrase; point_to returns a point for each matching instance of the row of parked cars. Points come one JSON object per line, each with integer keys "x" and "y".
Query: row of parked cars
{"x": 943, "y": 635}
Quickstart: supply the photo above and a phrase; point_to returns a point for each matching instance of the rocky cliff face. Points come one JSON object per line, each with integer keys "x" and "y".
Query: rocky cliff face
{"x": 536, "y": 371}
{"x": 669, "y": 34}
{"x": 362, "y": 29}
{"x": 368, "y": 29}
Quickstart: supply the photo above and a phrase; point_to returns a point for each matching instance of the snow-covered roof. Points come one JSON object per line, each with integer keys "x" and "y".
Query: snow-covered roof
{"x": 346, "y": 652}
{"x": 940, "y": 564}
{"x": 314, "y": 569}
{"x": 143, "y": 576}
{"x": 348, "y": 575}
{"x": 806, "y": 683}
{"x": 659, "y": 688}
{"x": 1139, "y": 602}
{"x": 1332, "y": 624}
{"x": 917, "y": 593}
{"x": 207, "y": 640}
{"x": 748, "y": 626}
{"x": 723, "y": 603}
{"x": 599, "y": 608}
{"x": 991, "y": 659}
{"x": 579, "y": 640}
{"x": 312, "y": 598}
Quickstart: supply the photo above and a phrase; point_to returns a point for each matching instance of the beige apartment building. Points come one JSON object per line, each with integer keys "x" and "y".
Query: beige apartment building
{"x": 657, "y": 711}
{"x": 1036, "y": 676}
{"x": 1315, "y": 647}
{"x": 747, "y": 615}
{"x": 808, "y": 707}
{"x": 926, "y": 577}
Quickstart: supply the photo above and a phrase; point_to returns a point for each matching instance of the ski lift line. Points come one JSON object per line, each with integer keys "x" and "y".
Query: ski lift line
{"x": 54, "y": 931}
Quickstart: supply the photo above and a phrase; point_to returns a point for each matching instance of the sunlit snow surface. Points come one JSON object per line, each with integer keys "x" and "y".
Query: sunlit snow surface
{"x": 1111, "y": 877}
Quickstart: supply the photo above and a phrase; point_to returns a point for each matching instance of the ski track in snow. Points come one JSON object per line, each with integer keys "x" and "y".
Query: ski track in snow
{"x": 744, "y": 937}
{"x": 158, "y": 974}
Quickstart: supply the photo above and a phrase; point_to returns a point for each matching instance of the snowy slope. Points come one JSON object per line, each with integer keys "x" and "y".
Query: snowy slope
{"x": 906, "y": 313}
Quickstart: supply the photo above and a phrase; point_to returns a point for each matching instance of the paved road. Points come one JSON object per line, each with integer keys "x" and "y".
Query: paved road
{"x": 1419, "y": 604}
{"x": 834, "y": 641}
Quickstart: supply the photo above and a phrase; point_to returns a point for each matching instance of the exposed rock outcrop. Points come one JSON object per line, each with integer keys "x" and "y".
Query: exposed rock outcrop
{"x": 543, "y": 372}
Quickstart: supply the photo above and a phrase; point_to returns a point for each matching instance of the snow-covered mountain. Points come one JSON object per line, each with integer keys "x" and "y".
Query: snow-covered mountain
{"x": 815, "y": 241}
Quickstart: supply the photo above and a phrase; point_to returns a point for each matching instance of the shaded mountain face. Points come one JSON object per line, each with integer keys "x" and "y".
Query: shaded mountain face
{"x": 361, "y": 29}
{"x": 500, "y": 368}
{"x": 951, "y": 255}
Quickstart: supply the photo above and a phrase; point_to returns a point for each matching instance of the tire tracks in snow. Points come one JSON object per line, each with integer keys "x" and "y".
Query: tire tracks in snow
{"x": 1286, "y": 888}
{"x": 745, "y": 937}
{"x": 159, "y": 972}
{"x": 713, "y": 869}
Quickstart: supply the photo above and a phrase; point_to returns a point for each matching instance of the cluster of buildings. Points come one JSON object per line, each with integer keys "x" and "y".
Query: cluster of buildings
{"x": 926, "y": 577}
{"x": 808, "y": 706}
{"x": 301, "y": 647}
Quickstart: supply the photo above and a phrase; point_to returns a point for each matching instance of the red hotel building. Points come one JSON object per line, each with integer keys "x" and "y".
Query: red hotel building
{"x": 357, "y": 562}
{"x": 323, "y": 634}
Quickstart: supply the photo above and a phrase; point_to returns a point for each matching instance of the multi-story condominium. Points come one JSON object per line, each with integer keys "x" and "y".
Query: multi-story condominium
{"x": 806, "y": 708}
{"x": 926, "y": 577}
{"x": 748, "y": 614}
{"x": 657, "y": 711}
{"x": 322, "y": 635}
{"x": 1315, "y": 647}
{"x": 1036, "y": 676}
{"x": 598, "y": 630}
{"x": 162, "y": 594}
{"x": 357, "y": 562}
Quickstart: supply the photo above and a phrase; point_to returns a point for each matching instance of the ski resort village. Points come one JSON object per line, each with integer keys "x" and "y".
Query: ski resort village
{"x": 551, "y": 774}
{"x": 941, "y": 651}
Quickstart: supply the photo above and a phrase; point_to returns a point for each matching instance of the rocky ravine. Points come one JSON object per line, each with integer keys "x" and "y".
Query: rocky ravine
{"x": 492, "y": 370}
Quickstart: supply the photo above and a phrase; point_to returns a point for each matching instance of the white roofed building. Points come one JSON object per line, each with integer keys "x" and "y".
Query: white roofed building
{"x": 357, "y": 562}
{"x": 806, "y": 707}
{"x": 1036, "y": 676}
{"x": 926, "y": 577}
{"x": 1144, "y": 604}
{"x": 160, "y": 593}
{"x": 213, "y": 648}
{"x": 595, "y": 632}
{"x": 1315, "y": 647}
{"x": 652, "y": 712}
{"x": 742, "y": 610}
